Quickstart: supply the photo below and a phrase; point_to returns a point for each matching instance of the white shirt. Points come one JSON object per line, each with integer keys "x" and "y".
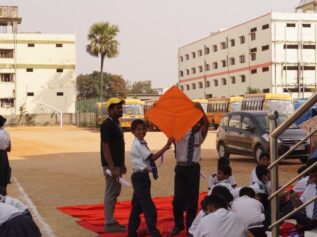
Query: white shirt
{"x": 4, "y": 139}
{"x": 254, "y": 178}
{"x": 193, "y": 227}
{"x": 225, "y": 183}
{"x": 250, "y": 210}
{"x": 7, "y": 212}
{"x": 181, "y": 147}
{"x": 301, "y": 185}
{"x": 260, "y": 187}
{"x": 221, "y": 223}
{"x": 213, "y": 180}
{"x": 139, "y": 155}
{"x": 309, "y": 193}
{"x": 13, "y": 202}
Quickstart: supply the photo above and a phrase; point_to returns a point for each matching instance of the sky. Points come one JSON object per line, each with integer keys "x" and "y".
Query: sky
{"x": 151, "y": 31}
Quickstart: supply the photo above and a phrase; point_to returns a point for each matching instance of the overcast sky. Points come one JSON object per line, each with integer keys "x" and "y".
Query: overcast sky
{"x": 150, "y": 30}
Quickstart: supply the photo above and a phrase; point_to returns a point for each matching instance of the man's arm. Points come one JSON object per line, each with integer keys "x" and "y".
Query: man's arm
{"x": 9, "y": 147}
{"x": 205, "y": 125}
{"x": 107, "y": 156}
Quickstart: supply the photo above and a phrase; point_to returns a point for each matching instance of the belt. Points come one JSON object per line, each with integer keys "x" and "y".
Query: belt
{"x": 139, "y": 171}
{"x": 254, "y": 225}
{"x": 188, "y": 163}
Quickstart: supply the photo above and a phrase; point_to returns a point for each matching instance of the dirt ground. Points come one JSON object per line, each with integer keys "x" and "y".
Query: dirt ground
{"x": 61, "y": 166}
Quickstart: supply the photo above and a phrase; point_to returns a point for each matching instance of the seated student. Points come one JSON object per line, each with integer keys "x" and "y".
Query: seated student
{"x": 262, "y": 184}
{"x": 213, "y": 178}
{"x": 4, "y": 198}
{"x": 223, "y": 175}
{"x": 220, "y": 191}
{"x": 13, "y": 223}
{"x": 250, "y": 210}
{"x": 263, "y": 160}
{"x": 219, "y": 221}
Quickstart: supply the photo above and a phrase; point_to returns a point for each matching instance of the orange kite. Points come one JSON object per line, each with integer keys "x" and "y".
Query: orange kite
{"x": 174, "y": 113}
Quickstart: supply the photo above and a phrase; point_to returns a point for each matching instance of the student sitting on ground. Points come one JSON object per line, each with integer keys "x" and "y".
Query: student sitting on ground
{"x": 219, "y": 221}
{"x": 14, "y": 223}
{"x": 213, "y": 178}
{"x": 223, "y": 174}
{"x": 143, "y": 163}
{"x": 250, "y": 210}
{"x": 4, "y": 198}
{"x": 263, "y": 160}
{"x": 262, "y": 184}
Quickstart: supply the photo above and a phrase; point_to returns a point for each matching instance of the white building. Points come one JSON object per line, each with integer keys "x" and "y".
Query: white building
{"x": 37, "y": 71}
{"x": 275, "y": 53}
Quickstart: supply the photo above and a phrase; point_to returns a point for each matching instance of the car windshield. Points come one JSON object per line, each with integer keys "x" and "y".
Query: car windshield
{"x": 236, "y": 106}
{"x": 133, "y": 109}
{"x": 282, "y": 106}
{"x": 264, "y": 121}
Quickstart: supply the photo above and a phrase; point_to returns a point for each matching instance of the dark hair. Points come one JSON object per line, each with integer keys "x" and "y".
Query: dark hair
{"x": 261, "y": 170}
{"x": 137, "y": 122}
{"x": 2, "y": 121}
{"x": 226, "y": 169}
{"x": 216, "y": 201}
{"x": 223, "y": 192}
{"x": 223, "y": 161}
{"x": 264, "y": 154}
{"x": 263, "y": 198}
{"x": 247, "y": 191}
{"x": 203, "y": 203}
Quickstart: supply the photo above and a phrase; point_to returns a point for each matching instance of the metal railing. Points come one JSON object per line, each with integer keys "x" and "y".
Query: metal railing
{"x": 275, "y": 190}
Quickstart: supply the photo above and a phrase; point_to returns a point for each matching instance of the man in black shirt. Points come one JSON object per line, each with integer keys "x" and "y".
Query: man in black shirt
{"x": 112, "y": 159}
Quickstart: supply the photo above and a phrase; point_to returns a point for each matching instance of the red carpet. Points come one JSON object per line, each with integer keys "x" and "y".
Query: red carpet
{"x": 92, "y": 217}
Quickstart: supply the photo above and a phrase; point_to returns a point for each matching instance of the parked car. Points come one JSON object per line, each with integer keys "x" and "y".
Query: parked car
{"x": 247, "y": 133}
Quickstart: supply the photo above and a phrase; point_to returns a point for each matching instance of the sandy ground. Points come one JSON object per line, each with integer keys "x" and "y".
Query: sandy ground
{"x": 60, "y": 167}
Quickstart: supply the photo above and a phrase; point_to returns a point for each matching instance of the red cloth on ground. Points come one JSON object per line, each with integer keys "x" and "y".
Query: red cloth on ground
{"x": 92, "y": 217}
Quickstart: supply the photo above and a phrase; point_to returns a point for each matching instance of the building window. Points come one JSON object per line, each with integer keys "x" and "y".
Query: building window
{"x": 310, "y": 68}
{"x": 290, "y": 68}
{"x": 187, "y": 87}
{"x": 193, "y": 70}
{"x": 181, "y": 73}
{"x": 207, "y": 50}
{"x": 306, "y": 25}
{"x": 194, "y": 86}
{"x": 214, "y": 48}
{"x": 215, "y": 82}
{"x": 215, "y": 65}
{"x": 266, "y": 26}
{"x": 182, "y": 88}
{"x": 207, "y": 67}
{"x": 242, "y": 59}
{"x": 31, "y": 45}
{"x": 6, "y": 53}
{"x": 290, "y": 46}
{"x": 232, "y": 61}
{"x": 6, "y": 102}
{"x": 266, "y": 90}
{"x": 200, "y": 68}
{"x": 223, "y": 81}
{"x": 290, "y": 25}
{"x": 308, "y": 46}
{"x": 265, "y": 47}
{"x": 253, "y": 50}
{"x": 59, "y": 45}
{"x": 60, "y": 93}
{"x": 242, "y": 39}
{"x": 232, "y": 43}
{"x": 200, "y": 52}
{"x": 187, "y": 72}
{"x": 243, "y": 79}
{"x": 29, "y": 69}
{"x": 59, "y": 70}
{"x": 253, "y": 30}
{"x": 253, "y": 56}
{"x": 233, "y": 80}
{"x": 265, "y": 69}
{"x": 201, "y": 85}
{"x": 7, "y": 77}
{"x": 254, "y": 71}
{"x": 193, "y": 55}
{"x": 253, "y": 36}
{"x": 207, "y": 83}
{"x": 223, "y": 45}
{"x": 30, "y": 94}
{"x": 187, "y": 56}
{"x": 181, "y": 57}
{"x": 224, "y": 63}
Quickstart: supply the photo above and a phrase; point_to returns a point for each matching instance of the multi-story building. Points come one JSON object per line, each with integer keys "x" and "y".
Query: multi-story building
{"x": 275, "y": 53}
{"x": 37, "y": 71}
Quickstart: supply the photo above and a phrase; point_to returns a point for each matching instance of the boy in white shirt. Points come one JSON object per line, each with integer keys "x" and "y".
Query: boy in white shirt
{"x": 263, "y": 160}
{"x": 223, "y": 174}
{"x": 143, "y": 163}
{"x": 262, "y": 184}
{"x": 219, "y": 221}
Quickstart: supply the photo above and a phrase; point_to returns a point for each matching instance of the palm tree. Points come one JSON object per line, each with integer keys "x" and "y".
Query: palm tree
{"x": 103, "y": 42}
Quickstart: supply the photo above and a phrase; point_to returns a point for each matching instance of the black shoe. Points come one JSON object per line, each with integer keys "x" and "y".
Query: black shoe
{"x": 176, "y": 230}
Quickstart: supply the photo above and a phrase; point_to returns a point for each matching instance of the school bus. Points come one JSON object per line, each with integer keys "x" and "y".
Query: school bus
{"x": 132, "y": 109}
{"x": 217, "y": 107}
{"x": 282, "y": 103}
{"x": 203, "y": 102}
{"x": 148, "y": 104}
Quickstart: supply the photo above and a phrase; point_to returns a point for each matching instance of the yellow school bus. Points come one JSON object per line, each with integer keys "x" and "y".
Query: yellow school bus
{"x": 282, "y": 103}
{"x": 203, "y": 102}
{"x": 148, "y": 104}
{"x": 217, "y": 107}
{"x": 132, "y": 109}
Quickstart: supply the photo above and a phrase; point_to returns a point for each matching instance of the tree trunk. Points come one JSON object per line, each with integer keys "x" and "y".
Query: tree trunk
{"x": 101, "y": 77}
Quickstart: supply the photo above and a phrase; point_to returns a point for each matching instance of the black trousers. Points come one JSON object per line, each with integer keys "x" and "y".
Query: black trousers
{"x": 186, "y": 193}
{"x": 258, "y": 231}
{"x": 5, "y": 170}
{"x": 142, "y": 203}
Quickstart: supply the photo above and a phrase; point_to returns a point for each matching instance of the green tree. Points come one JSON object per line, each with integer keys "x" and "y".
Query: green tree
{"x": 103, "y": 42}
{"x": 251, "y": 90}
{"x": 141, "y": 87}
{"x": 116, "y": 86}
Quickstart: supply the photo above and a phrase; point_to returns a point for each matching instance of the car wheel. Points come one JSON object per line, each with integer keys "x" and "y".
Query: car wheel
{"x": 304, "y": 159}
{"x": 222, "y": 150}
{"x": 258, "y": 152}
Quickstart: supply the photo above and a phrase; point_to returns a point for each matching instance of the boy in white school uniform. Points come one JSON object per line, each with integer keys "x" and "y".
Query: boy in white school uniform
{"x": 262, "y": 184}
{"x": 143, "y": 163}
{"x": 263, "y": 160}
{"x": 223, "y": 174}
